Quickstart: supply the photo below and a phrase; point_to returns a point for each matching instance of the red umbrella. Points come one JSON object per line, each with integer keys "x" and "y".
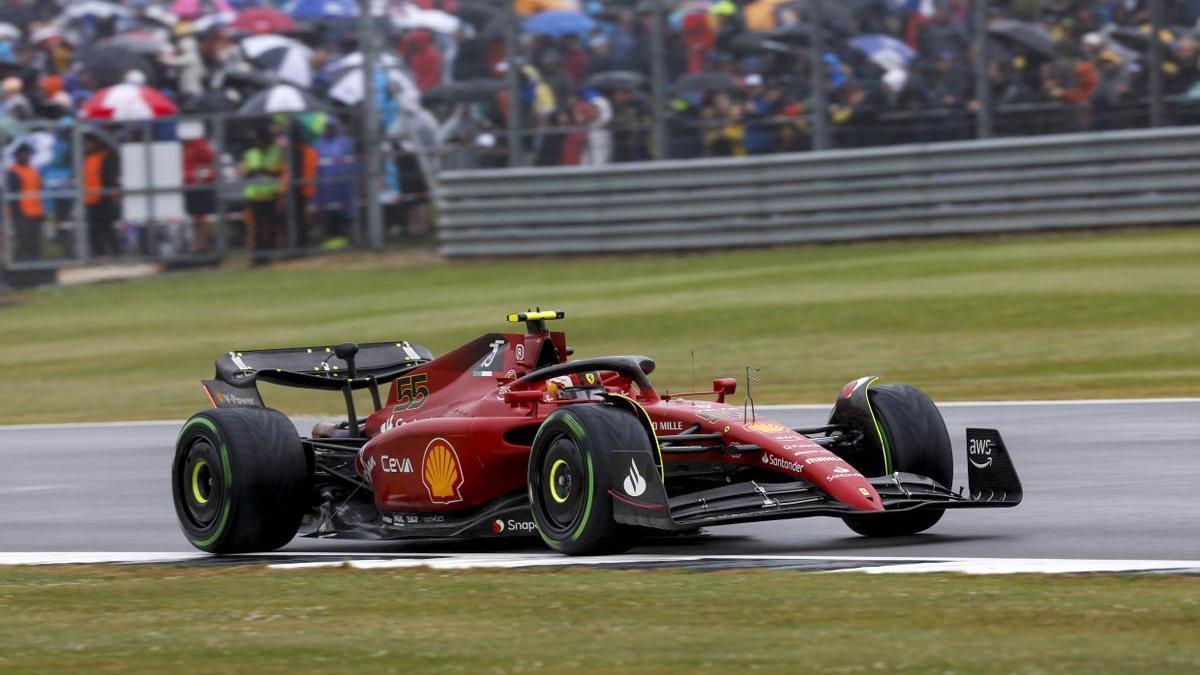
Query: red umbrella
{"x": 262, "y": 20}
{"x": 128, "y": 101}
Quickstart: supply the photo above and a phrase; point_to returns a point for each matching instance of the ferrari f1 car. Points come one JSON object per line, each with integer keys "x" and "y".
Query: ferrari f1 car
{"x": 505, "y": 436}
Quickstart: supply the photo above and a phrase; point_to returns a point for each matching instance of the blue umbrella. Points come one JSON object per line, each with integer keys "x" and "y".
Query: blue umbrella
{"x": 556, "y": 22}
{"x": 886, "y": 51}
{"x": 322, "y": 10}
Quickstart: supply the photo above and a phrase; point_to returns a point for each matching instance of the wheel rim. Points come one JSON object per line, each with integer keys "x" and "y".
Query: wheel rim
{"x": 562, "y": 475}
{"x": 201, "y": 485}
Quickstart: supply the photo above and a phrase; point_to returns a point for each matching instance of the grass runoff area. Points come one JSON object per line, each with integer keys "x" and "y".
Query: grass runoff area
{"x": 1087, "y": 315}
{"x": 251, "y": 620}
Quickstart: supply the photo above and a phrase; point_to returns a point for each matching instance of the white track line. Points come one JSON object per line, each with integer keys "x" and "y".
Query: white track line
{"x": 779, "y": 406}
{"x": 882, "y": 564}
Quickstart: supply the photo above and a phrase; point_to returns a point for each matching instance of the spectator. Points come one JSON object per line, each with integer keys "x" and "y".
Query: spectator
{"x": 199, "y": 174}
{"x": 13, "y": 99}
{"x": 262, "y": 168}
{"x": 101, "y": 179}
{"x": 333, "y": 202}
{"x": 24, "y": 185}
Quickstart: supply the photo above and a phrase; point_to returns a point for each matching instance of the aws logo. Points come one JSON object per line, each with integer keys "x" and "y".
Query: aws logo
{"x": 441, "y": 472}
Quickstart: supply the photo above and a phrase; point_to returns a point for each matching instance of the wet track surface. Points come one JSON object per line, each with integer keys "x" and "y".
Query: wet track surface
{"x": 1109, "y": 480}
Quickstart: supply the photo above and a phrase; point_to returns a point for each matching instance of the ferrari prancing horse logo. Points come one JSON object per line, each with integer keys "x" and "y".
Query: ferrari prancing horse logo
{"x": 441, "y": 472}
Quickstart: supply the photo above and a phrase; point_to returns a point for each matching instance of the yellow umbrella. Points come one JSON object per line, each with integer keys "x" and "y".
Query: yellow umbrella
{"x": 760, "y": 15}
{"x": 531, "y": 7}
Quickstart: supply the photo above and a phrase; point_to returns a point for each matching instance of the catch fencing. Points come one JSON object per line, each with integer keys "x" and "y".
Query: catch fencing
{"x": 178, "y": 191}
{"x": 1089, "y": 180}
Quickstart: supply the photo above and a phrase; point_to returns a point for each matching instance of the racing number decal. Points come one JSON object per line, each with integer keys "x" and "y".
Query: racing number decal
{"x": 411, "y": 392}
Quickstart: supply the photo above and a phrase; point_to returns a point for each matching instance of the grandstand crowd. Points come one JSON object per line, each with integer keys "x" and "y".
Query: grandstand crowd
{"x": 739, "y": 81}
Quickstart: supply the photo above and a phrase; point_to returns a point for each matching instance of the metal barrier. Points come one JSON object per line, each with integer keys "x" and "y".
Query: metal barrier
{"x": 1068, "y": 181}
{"x": 165, "y": 196}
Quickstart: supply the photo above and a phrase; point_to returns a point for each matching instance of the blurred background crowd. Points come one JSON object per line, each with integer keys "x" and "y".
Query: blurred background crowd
{"x": 267, "y": 96}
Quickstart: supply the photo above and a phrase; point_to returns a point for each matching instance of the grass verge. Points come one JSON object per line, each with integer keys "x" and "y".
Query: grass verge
{"x": 163, "y": 619}
{"x": 1057, "y": 316}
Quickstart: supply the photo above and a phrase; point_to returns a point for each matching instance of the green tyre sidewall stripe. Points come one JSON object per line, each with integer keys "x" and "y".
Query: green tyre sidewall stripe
{"x": 577, "y": 429}
{"x": 587, "y": 507}
{"x": 228, "y": 492}
{"x": 883, "y": 442}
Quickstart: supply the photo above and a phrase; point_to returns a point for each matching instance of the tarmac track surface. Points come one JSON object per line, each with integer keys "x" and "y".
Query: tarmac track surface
{"x": 1104, "y": 480}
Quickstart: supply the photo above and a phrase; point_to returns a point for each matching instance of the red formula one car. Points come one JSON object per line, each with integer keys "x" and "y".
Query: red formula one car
{"x": 505, "y": 436}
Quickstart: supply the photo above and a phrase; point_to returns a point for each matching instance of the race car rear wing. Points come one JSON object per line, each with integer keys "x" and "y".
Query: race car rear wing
{"x": 345, "y": 367}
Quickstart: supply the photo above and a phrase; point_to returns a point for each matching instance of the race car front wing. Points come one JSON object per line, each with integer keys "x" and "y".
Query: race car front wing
{"x": 992, "y": 482}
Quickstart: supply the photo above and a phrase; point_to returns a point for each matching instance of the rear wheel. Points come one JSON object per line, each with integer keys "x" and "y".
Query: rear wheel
{"x": 918, "y": 442}
{"x": 240, "y": 480}
{"x": 570, "y": 473}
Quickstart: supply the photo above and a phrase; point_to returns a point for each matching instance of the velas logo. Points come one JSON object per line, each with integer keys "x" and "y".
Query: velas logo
{"x": 441, "y": 472}
{"x": 765, "y": 427}
{"x": 840, "y": 469}
{"x": 634, "y": 484}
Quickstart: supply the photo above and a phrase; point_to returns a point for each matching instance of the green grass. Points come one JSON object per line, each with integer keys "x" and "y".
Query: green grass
{"x": 1062, "y": 316}
{"x": 250, "y": 620}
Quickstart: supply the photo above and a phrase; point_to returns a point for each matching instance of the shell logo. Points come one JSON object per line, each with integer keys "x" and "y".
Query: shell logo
{"x": 765, "y": 427}
{"x": 441, "y": 472}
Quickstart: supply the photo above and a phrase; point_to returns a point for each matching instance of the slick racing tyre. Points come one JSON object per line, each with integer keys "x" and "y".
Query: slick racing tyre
{"x": 570, "y": 473}
{"x": 240, "y": 480}
{"x": 918, "y": 443}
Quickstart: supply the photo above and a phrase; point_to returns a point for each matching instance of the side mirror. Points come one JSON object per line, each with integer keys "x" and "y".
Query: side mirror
{"x": 724, "y": 386}
{"x": 525, "y": 396}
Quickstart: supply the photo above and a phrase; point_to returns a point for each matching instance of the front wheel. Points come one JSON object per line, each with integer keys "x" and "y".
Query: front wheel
{"x": 917, "y": 442}
{"x": 240, "y": 480}
{"x": 570, "y": 473}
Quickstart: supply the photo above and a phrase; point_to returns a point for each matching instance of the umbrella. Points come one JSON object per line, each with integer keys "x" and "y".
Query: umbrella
{"x": 190, "y": 9}
{"x": 96, "y": 9}
{"x": 758, "y": 43}
{"x": 108, "y": 64}
{"x": 9, "y": 32}
{"x": 210, "y": 21}
{"x": 616, "y": 79}
{"x": 281, "y": 98}
{"x": 1138, "y": 39}
{"x": 760, "y": 15}
{"x": 334, "y": 70}
{"x": 210, "y": 102}
{"x": 128, "y": 101}
{"x": 11, "y": 127}
{"x": 322, "y": 10}
{"x": 285, "y": 57}
{"x": 884, "y": 50}
{"x": 156, "y": 15}
{"x": 556, "y": 22}
{"x": 47, "y": 32}
{"x": 242, "y": 77}
{"x": 481, "y": 90}
{"x": 262, "y": 20}
{"x": 478, "y": 13}
{"x": 139, "y": 42}
{"x": 41, "y": 142}
{"x": 1032, "y": 37}
{"x": 705, "y": 81}
{"x": 411, "y": 17}
{"x": 348, "y": 89}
